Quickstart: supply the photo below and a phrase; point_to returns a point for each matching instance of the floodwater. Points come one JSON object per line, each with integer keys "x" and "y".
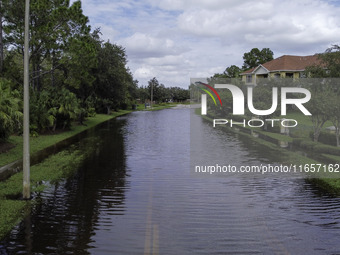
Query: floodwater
{"x": 136, "y": 195}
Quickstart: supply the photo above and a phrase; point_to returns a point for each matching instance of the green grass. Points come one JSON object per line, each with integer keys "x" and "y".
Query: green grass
{"x": 301, "y": 118}
{"x": 157, "y": 107}
{"x": 333, "y": 158}
{"x": 280, "y": 137}
{"x": 43, "y": 141}
{"x": 328, "y": 184}
{"x": 305, "y": 120}
{"x": 305, "y": 125}
{"x": 285, "y": 155}
{"x": 51, "y": 170}
{"x": 11, "y": 213}
{"x": 331, "y": 185}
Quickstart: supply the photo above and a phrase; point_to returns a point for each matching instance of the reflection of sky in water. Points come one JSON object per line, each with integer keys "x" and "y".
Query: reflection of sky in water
{"x": 136, "y": 195}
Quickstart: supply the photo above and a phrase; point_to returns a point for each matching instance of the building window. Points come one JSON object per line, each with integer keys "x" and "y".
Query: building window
{"x": 289, "y": 75}
{"x": 277, "y": 76}
{"x": 249, "y": 78}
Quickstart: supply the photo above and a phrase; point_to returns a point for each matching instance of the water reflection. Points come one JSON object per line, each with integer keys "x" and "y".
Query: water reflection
{"x": 66, "y": 218}
{"x": 136, "y": 195}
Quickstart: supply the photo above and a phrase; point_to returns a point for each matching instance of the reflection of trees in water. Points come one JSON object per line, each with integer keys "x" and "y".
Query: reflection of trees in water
{"x": 66, "y": 218}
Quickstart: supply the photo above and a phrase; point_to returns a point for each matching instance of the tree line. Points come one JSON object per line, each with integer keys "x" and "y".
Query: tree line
{"x": 73, "y": 72}
{"x": 161, "y": 93}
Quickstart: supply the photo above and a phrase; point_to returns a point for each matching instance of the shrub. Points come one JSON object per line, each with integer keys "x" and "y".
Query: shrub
{"x": 53, "y": 108}
{"x": 10, "y": 110}
{"x": 316, "y": 147}
{"x": 326, "y": 138}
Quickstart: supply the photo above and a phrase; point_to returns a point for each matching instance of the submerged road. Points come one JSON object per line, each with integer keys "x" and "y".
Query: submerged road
{"x": 136, "y": 195}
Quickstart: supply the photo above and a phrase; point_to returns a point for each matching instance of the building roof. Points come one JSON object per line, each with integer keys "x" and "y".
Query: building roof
{"x": 288, "y": 63}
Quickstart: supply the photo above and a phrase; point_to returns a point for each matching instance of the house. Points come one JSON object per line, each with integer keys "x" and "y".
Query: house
{"x": 286, "y": 66}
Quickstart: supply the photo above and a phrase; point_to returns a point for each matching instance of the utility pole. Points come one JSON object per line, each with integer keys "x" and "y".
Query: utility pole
{"x": 26, "y": 135}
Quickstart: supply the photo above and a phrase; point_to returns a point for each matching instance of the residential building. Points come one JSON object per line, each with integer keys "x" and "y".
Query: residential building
{"x": 286, "y": 66}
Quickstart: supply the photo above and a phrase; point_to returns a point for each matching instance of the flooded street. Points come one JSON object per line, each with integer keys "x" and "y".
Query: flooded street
{"x": 136, "y": 195}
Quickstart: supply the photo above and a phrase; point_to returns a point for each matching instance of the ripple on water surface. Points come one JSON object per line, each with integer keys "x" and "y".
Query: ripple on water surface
{"x": 136, "y": 195}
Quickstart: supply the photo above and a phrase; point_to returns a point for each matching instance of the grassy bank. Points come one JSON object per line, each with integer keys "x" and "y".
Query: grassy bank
{"x": 51, "y": 170}
{"x": 328, "y": 184}
{"x": 43, "y": 141}
{"x": 54, "y": 168}
{"x": 156, "y": 107}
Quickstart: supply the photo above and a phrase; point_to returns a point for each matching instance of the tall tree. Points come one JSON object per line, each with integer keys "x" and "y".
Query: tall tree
{"x": 113, "y": 82}
{"x": 329, "y": 65}
{"x": 71, "y": 68}
{"x": 53, "y": 25}
{"x": 154, "y": 89}
{"x": 331, "y": 61}
{"x": 256, "y": 57}
{"x": 179, "y": 94}
{"x": 232, "y": 71}
{"x": 78, "y": 62}
{"x": 1, "y": 39}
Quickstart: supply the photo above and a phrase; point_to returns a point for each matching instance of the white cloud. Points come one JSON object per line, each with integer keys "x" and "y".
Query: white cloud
{"x": 196, "y": 4}
{"x": 275, "y": 22}
{"x": 143, "y": 72}
{"x": 175, "y": 40}
{"x": 146, "y": 46}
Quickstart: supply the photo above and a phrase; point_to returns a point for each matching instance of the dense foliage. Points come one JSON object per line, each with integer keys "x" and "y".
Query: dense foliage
{"x": 160, "y": 93}
{"x": 325, "y": 103}
{"x": 10, "y": 114}
{"x": 73, "y": 72}
{"x": 256, "y": 57}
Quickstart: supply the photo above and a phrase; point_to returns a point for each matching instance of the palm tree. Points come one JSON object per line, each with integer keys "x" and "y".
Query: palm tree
{"x": 10, "y": 106}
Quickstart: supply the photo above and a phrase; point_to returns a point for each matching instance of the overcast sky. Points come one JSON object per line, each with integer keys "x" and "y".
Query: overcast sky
{"x": 175, "y": 40}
